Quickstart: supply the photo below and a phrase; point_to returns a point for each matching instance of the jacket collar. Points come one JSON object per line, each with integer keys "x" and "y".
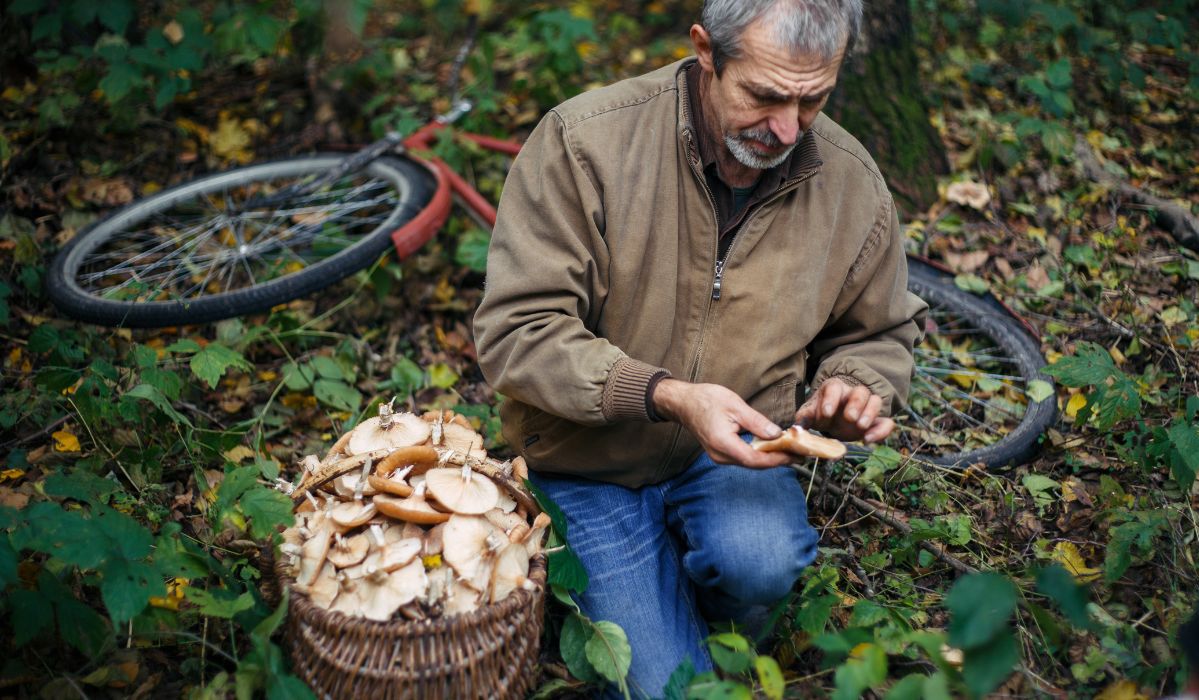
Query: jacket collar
{"x": 803, "y": 160}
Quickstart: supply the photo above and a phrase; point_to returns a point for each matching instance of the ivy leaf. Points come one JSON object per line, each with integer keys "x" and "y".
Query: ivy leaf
{"x": 981, "y": 605}
{"x": 211, "y": 363}
{"x": 770, "y": 677}
{"x": 985, "y": 667}
{"x": 608, "y": 650}
{"x": 156, "y": 397}
{"x": 267, "y": 509}
{"x": 572, "y": 645}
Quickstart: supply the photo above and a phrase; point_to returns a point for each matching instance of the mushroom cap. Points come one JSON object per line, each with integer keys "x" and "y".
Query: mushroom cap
{"x": 349, "y": 551}
{"x": 410, "y": 530}
{"x": 352, "y": 514}
{"x": 469, "y": 545}
{"x": 505, "y": 503}
{"x": 421, "y": 458}
{"x": 383, "y": 594}
{"x": 462, "y": 490}
{"x": 532, "y": 540}
{"x": 346, "y": 484}
{"x": 463, "y": 439}
{"x": 413, "y": 509}
{"x": 433, "y": 541}
{"x": 405, "y": 430}
{"x": 349, "y": 601}
{"x": 313, "y": 553}
{"x": 520, "y": 469}
{"x": 396, "y": 487}
{"x": 325, "y": 588}
{"x": 461, "y": 599}
{"x": 511, "y": 571}
{"x": 398, "y": 554}
{"x": 510, "y": 523}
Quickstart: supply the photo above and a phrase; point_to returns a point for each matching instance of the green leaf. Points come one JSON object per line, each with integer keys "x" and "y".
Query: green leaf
{"x": 237, "y": 481}
{"x": 156, "y": 397}
{"x": 971, "y": 283}
{"x": 80, "y": 485}
{"x": 1038, "y": 390}
{"x": 211, "y": 363}
{"x": 572, "y": 645}
{"x": 608, "y": 651}
{"x": 472, "y": 250}
{"x": 1139, "y": 530}
{"x": 730, "y": 652}
{"x": 985, "y": 667}
{"x": 185, "y": 346}
{"x": 554, "y": 688}
{"x": 981, "y": 605}
{"x": 407, "y": 377}
{"x": 867, "y": 613}
{"x": 126, "y": 587}
{"x": 1039, "y": 488}
{"x": 770, "y": 677}
{"x": 911, "y": 687}
{"x": 1057, "y": 583}
{"x": 219, "y": 602}
{"x": 865, "y": 670}
{"x": 115, "y": 14}
{"x": 120, "y": 80}
{"x": 337, "y": 394}
{"x": 1058, "y": 74}
{"x": 267, "y": 509}
{"x": 298, "y": 377}
{"x": 814, "y": 615}
{"x": 676, "y": 685}
{"x": 8, "y": 563}
{"x": 882, "y": 459}
{"x": 1184, "y": 462}
{"x": 441, "y": 376}
{"x": 327, "y": 367}
{"x": 707, "y": 686}
{"x": 31, "y": 614}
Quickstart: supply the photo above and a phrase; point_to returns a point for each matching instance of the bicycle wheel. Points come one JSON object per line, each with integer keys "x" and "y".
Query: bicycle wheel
{"x": 969, "y": 400}
{"x": 235, "y": 242}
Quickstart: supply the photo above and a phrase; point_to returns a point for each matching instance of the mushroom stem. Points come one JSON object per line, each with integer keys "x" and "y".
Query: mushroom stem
{"x": 376, "y": 535}
{"x": 366, "y": 470}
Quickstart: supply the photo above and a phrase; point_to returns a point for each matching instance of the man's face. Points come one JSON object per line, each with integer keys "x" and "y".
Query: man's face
{"x": 767, "y": 98}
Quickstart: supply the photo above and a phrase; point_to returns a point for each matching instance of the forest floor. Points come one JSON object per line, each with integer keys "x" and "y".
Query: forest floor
{"x": 1113, "y": 296}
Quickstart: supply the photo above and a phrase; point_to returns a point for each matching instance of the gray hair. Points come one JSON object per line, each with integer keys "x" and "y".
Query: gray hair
{"x": 802, "y": 26}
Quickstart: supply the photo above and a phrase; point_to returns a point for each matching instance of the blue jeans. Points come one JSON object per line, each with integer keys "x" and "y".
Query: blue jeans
{"x": 716, "y": 541}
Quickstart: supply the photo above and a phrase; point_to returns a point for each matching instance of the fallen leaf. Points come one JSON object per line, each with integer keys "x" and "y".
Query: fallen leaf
{"x": 173, "y": 32}
{"x": 970, "y": 194}
{"x": 1036, "y": 277}
{"x": 65, "y": 442}
{"x": 1122, "y": 690}
{"x": 11, "y": 474}
{"x": 1067, "y": 554}
{"x": 1075, "y": 404}
{"x": 238, "y": 454}
{"x": 13, "y": 499}
{"x": 967, "y": 262}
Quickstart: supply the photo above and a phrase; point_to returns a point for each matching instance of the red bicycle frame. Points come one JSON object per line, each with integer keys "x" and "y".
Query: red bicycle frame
{"x": 414, "y": 234}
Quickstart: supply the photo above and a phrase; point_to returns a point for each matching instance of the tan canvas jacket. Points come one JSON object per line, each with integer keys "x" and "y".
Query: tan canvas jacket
{"x": 601, "y": 273}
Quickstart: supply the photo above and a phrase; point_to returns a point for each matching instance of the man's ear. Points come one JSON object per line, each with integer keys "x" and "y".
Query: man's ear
{"x": 702, "y": 43}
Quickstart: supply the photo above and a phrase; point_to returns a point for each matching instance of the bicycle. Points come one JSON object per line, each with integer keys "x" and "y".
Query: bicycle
{"x": 250, "y": 238}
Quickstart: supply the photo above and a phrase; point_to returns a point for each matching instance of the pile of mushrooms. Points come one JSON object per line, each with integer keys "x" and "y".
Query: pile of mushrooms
{"x": 407, "y": 515}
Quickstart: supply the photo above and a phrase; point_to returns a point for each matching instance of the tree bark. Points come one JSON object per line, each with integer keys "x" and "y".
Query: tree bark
{"x": 879, "y": 99}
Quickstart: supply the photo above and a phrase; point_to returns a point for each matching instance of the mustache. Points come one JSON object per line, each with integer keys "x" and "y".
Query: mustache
{"x": 765, "y": 136}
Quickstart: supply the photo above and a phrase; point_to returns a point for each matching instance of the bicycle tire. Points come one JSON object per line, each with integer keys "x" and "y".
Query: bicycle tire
{"x": 308, "y": 237}
{"x": 1010, "y": 343}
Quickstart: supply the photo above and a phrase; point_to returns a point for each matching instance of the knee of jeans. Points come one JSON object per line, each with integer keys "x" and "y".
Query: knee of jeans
{"x": 762, "y": 572}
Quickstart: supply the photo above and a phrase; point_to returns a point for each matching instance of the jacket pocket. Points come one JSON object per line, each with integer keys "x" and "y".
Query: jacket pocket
{"x": 778, "y": 402}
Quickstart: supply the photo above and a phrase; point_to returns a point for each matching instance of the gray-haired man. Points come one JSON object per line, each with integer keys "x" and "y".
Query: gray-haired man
{"x": 678, "y": 257}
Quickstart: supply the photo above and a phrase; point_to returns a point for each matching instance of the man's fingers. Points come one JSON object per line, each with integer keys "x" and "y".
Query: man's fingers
{"x": 832, "y": 394}
{"x": 873, "y": 405}
{"x": 758, "y": 424}
{"x": 879, "y": 431}
{"x": 855, "y": 403}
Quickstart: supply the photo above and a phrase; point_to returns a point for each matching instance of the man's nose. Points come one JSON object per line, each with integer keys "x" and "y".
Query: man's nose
{"x": 784, "y": 123}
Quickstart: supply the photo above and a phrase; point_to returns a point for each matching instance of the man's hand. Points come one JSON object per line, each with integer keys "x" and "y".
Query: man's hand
{"x": 845, "y": 412}
{"x": 716, "y": 416}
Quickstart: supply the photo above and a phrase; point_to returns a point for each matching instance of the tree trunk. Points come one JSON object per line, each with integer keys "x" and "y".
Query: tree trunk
{"x": 880, "y": 101}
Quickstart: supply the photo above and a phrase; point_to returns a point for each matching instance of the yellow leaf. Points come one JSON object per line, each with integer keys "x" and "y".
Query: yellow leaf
{"x": 431, "y": 561}
{"x": 11, "y": 474}
{"x": 1036, "y": 233}
{"x": 1122, "y": 690}
{"x": 1075, "y": 404}
{"x": 230, "y": 140}
{"x": 1117, "y": 356}
{"x": 1071, "y": 487}
{"x": 860, "y": 650}
{"x": 238, "y": 454}
{"x": 267, "y": 375}
{"x": 1066, "y": 554}
{"x": 65, "y": 442}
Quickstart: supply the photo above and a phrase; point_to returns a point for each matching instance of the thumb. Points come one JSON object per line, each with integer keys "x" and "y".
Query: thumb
{"x": 759, "y": 425}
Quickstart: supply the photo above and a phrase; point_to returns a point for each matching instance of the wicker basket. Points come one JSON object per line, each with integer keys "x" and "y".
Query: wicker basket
{"x": 489, "y": 653}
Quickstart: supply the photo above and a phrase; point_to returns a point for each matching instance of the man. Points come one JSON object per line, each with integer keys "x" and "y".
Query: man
{"x": 678, "y": 257}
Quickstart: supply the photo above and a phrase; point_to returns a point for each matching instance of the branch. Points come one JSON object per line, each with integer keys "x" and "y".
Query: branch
{"x": 1177, "y": 220}
{"x": 937, "y": 550}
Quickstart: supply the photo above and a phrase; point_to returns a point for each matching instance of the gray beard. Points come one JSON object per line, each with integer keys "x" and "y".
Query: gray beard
{"x": 750, "y": 159}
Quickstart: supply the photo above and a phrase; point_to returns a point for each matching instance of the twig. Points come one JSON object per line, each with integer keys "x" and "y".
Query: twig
{"x": 936, "y": 550}
{"x": 1178, "y": 221}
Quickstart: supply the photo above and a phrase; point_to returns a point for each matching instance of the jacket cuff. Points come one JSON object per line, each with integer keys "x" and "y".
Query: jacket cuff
{"x": 627, "y": 388}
